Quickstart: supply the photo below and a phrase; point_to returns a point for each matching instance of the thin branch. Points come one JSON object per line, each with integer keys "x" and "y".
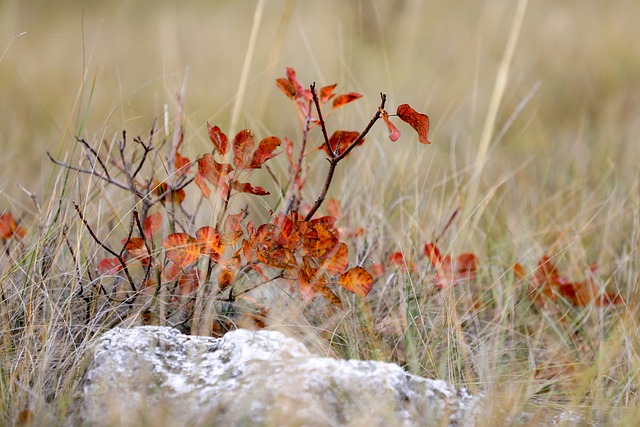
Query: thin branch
{"x": 107, "y": 248}
{"x": 316, "y": 101}
{"x": 95, "y": 154}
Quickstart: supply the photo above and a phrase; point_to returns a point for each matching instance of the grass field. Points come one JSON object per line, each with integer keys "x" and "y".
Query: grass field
{"x": 535, "y": 117}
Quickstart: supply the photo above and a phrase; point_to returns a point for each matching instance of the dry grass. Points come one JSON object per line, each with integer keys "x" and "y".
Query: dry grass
{"x": 560, "y": 176}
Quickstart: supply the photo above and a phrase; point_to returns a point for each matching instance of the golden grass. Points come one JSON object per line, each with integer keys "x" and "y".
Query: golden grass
{"x": 559, "y": 174}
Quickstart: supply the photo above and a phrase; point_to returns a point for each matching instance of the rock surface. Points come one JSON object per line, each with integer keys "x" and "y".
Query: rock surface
{"x": 157, "y": 376}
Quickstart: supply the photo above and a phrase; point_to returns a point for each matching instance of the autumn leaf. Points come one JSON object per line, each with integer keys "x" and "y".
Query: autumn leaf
{"x": 300, "y": 90}
{"x": 394, "y": 133}
{"x": 288, "y": 148}
{"x": 243, "y": 145}
{"x": 341, "y": 139}
{"x": 181, "y": 248}
{"x": 248, "y": 188}
{"x": 264, "y": 152}
{"x": 109, "y": 266}
{"x": 212, "y": 170}
{"x": 204, "y": 189}
{"x": 338, "y": 261}
{"x": 356, "y": 280}
{"x": 170, "y": 272}
{"x": 151, "y": 224}
{"x": 418, "y": 121}
{"x": 225, "y": 278}
{"x": 10, "y": 228}
{"x": 287, "y": 87}
{"x": 233, "y": 228}
{"x": 137, "y": 249}
{"x": 344, "y": 99}
{"x": 377, "y": 269}
{"x": 210, "y": 243}
{"x": 326, "y": 93}
{"x": 182, "y": 164}
{"x": 218, "y": 139}
{"x": 451, "y": 271}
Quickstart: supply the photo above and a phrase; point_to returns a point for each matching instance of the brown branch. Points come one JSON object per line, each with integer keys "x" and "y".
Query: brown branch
{"x": 122, "y": 261}
{"x": 333, "y": 161}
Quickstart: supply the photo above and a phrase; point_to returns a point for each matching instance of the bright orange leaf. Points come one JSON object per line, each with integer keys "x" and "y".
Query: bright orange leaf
{"x": 356, "y": 280}
{"x": 225, "y": 278}
{"x": 181, "y": 248}
{"x": 344, "y": 99}
{"x": 137, "y": 249}
{"x": 9, "y": 227}
{"x": 182, "y": 164}
{"x": 245, "y": 187}
{"x": 210, "y": 243}
{"x": 418, "y": 121}
{"x": 326, "y": 93}
{"x": 338, "y": 262}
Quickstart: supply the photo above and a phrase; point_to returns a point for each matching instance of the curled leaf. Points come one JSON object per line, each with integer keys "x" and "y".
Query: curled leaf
{"x": 340, "y": 141}
{"x": 286, "y": 87}
{"x": 394, "y": 133}
{"x": 248, "y": 188}
{"x": 264, "y": 152}
{"x": 418, "y": 121}
{"x": 218, "y": 139}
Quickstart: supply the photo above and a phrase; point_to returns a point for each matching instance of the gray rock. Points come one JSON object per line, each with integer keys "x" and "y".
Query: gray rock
{"x": 157, "y": 376}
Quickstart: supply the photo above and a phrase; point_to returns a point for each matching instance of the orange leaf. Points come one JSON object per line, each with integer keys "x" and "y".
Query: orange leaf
{"x": 451, "y": 272}
{"x": 356, "y": 280}
{"x": 109, "y": 266}
{"x": 225, "y": 278}
{"x": 243, "y": 145}
{"x": 170, "y": 273}
{"x": 344, "y": 99}
{"x": 219, "y": 139}
{"x": 151, "y": 224}
{"x": 264, "y": 151}
{"x": 293, "y": 79}
{"x": 137, "y": 250}
{"x": 212, "y": 170}
{"x": 341, "y": 139}
{"x": 181, "y": 248}
{"x": 418, "y": 121}
{"x": 210, "y": 242}
{"x": 248, "y": 188}
{"x": 181, "y": 164}
{"x": 286, "y": 87}
{"x": 233, "y": 228}
{"x": 394, "y": 133}
{"x": 338, "y": 262}
{"x": 9, "y": 227}
{"x": 199, "y": 179}
{"x": 326, "y": 93}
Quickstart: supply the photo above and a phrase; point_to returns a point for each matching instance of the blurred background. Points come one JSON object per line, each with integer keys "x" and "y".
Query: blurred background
{"x": 572, "y": 101}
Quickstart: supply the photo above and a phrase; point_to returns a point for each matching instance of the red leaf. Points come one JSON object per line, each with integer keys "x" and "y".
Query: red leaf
{"x": 212, "y": 170}
{"x": 394, "y": 133}
{"x": 233, "y": 228}
{"x": 206, "y": 192}
{"x": 109, "y": 266}
{"x": 225, "y": 278}
{"x": 357, "y": 280}
{"x": 451, "y": 272}
{"x": 344, "y": 99}
{"x": 151, "y": 224}
{"x": 377, "y": 269}
{"x": 418, "y": 121}
{"x": 248, "y": 188}
{"x": 341, "y": 139}
{"x": 264, "y": 151}
{"x": 219, "y": 139}
{"x": 300, "y": 90}
{"x": 181, "y": 248}
{"x": 243, "y": 145}
{"x": 326, "y": 93}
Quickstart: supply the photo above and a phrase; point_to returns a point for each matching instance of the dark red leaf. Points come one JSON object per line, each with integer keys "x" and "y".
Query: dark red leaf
{"x": 219, "y": 139}
{"x": 418, "y": 121}
{"x": 248, "y": 188}
{"x": 341, "y": 139}
{"x": 109, "y": 266}
{"x": 151, "y": 224}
